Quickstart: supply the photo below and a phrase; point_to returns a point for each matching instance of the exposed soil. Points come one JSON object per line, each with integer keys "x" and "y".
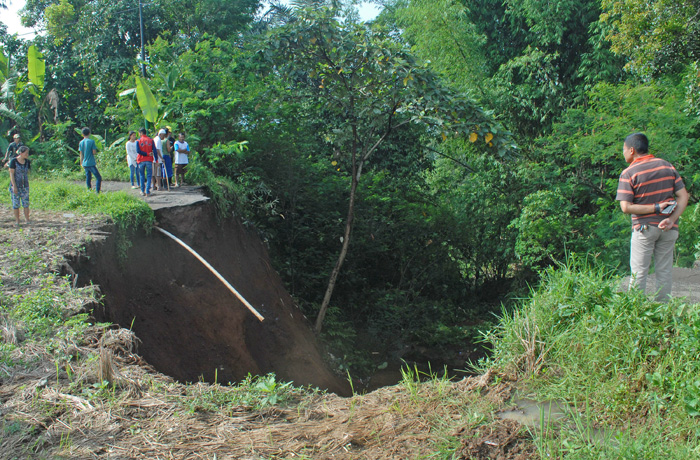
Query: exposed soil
{"x": 190, "y": 325}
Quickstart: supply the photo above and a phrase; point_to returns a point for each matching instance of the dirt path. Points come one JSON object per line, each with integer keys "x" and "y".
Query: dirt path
{"x": 686, "y": 283}
{"x": 176, "y": 196}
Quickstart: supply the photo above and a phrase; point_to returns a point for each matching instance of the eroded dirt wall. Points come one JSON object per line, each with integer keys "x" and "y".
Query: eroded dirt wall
{"x": 189, "y": 323}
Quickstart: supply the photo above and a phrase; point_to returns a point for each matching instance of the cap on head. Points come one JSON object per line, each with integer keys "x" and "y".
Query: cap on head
{"x": 16, "y": 136}
{"x": 162, "y": 131}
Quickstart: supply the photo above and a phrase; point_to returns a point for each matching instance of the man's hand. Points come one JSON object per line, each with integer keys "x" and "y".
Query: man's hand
{"x": 665, "y": 204}
{"x": 15, "y": 189}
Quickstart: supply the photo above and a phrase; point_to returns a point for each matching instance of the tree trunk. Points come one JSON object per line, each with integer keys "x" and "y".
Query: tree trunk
{"x": 343, "y": 253}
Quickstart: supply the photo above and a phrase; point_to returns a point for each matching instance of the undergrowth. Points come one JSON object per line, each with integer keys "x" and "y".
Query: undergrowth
{"x": 630, "y": 360}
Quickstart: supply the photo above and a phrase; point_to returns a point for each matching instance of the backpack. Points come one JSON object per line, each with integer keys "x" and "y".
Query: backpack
{"x": 146, "y": 145}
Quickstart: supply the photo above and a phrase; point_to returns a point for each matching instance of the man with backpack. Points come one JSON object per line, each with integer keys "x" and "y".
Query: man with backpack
{"x": 146, "y": 151}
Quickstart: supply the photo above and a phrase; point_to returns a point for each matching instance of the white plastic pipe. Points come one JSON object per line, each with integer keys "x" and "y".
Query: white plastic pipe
{"x": 218, "y": 275}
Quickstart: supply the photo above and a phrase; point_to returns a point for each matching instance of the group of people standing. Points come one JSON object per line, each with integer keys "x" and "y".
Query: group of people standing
{"x": 147, "y": 158}
{"x": 154, "y": 158}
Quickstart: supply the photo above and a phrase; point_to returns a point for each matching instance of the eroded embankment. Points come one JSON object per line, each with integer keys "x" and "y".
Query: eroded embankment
{"x": 190, "y": 325}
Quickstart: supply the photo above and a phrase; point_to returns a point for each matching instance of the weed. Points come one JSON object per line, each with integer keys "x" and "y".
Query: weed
{"x": 65, "y": 442}
{"x": 255, "y": 392}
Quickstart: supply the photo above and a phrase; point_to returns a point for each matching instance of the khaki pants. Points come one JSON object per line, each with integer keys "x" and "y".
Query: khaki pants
{"x": 653, "y": 241}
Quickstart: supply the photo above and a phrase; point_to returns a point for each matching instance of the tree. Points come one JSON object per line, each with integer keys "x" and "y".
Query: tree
{"x": 657, "y": 35}
{"x": 528, "y": 60}
{"x": 369, "y": 85}
{"x": 93, "y": 45}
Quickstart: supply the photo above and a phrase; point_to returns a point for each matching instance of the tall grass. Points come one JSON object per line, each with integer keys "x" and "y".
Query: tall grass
{"x": 125, "y": 210}
{"x": 633, "y": 360}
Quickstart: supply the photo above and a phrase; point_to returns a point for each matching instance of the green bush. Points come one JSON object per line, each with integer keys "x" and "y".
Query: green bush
{"x": 543, "y": 228}
{"x": 111, "y": 162}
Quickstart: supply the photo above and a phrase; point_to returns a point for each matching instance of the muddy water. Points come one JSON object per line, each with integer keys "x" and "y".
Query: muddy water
{"x": 535, "y": 414}
{"x": 545, "y": 415}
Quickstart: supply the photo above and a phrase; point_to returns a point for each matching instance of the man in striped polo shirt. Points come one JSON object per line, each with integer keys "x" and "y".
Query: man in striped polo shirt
{"x": 646, "y": 188}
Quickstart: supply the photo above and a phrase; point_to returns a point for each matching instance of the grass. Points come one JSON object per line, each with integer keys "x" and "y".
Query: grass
{"x": 125, "y": 210}
{"x": 631, "y": 359}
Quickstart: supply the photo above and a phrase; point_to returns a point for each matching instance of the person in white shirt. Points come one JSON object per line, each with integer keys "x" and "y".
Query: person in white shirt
{"x": 131, "y": 160}
{"x": 182, "y": 152}
{"x": 158, "y": 160}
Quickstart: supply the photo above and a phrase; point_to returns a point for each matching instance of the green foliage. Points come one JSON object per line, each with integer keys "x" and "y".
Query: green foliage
{"x": 577, "y": 335}
{"x": 36, "y": 68}
{"x": 448, "y": 39}
{"x": 59, "y": 17}
{"x": 147, "y": 102}
{"x": 125, "y": 210}
{"x": 543, "y": 228}
{"x": 658, "y": 36}
{"x": 582, "y": 161}
{"x": 284, "y": 121}
{"x": 478, "y": 199}
{"x": 39, "y": 311}
{"x": 112, "y": 164}
{"x": 253, "y": 393}
{"x": 692, "y": 89}
{"x": 529, "y": 60}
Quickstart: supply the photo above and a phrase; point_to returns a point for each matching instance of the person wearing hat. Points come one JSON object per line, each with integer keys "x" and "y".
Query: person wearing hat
{"x": 19, "y": 167}
{"x": 158, "y": 161}
{"x": 13, "y": 148}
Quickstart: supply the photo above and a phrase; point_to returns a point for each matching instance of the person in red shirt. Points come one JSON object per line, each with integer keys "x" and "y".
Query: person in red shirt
{"x": 145, "y": 153}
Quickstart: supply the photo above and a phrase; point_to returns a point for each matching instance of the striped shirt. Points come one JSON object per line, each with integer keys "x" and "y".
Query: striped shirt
{"x": 649, "y": 180}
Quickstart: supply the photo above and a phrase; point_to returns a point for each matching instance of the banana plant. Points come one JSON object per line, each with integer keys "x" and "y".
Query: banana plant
{"x": 46, "y": 102}
{"x": 36, "y": 70}
{"x": 152, "y": 110}
{"x": 9, "y": 117}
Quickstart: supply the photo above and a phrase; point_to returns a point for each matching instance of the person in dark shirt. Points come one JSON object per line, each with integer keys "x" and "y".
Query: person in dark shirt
{"x": 19, "y": 182}
{"x": 12, "y": 148}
